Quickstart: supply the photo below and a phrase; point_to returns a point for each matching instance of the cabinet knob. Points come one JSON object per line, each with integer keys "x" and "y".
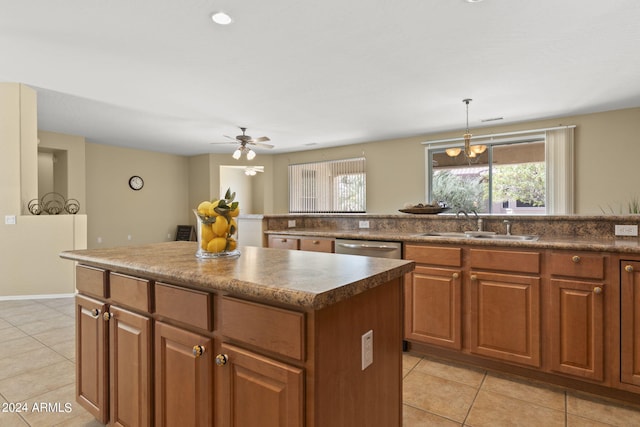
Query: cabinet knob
{"x": 628, "y": 268}
{"x": 95, "y": 312}
{"x": 198, "y": 350}
{"x": 474, "y": 277}
{"x": 455, "y": 275}
{"x": 106, "y": 316}
{"x": 221, "y": 359}
{"x": 575, "y": 259}
{"x": 597, "y": 290}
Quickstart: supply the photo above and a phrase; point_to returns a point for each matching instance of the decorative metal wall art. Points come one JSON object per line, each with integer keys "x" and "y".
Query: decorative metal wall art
{"x": 53, "y": 204}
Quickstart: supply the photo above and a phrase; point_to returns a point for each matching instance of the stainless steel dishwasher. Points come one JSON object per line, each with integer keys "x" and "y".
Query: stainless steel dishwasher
{"x": 372, "y": 248}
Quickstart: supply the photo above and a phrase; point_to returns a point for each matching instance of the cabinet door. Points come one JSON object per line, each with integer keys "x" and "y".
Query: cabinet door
{"x": 92, "y": 358}
{"x": 505, "y": 317}
{"x": 576, "y": 310}
{"x": 630, "y": 327}
{"x": 183, "y": 376}
{"x": 255, "y": 391}
{"x": 433, "y": 307}
{"x": 130, "y": 368}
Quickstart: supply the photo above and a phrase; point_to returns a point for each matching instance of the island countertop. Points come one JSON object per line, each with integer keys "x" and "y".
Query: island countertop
{"x": 310, "y": 280}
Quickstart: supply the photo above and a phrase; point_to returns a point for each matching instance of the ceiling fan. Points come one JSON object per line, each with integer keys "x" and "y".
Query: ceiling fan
{"x": 245, "y": 140}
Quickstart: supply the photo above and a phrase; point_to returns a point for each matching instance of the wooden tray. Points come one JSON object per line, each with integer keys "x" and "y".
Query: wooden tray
{"x": 430, "y": 210}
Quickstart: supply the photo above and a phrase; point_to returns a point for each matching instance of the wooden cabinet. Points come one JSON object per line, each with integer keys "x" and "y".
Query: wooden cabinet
{"x": 504, "y": 309}
{"x": 183, "y": 377}
{"x": 576, "y": 314}
{"x": 630, "y": 323}
{"x": 433, "y": 296}
{"x": 257, "y": 391}
{"x": 129, "y": 368}
{"x": 92, "y": 384}
{"x": 315, "y": 244}
{"x": 284, "y": 242}
{"x": 505, "y": 317}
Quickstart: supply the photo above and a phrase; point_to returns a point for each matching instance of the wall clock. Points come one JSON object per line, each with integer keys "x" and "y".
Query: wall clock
{"x": 136, "y": 183}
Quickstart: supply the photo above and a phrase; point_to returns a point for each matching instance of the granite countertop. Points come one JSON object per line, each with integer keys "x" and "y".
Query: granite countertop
{"x": 310, "y": 280}
{"x": 591, "y": 243}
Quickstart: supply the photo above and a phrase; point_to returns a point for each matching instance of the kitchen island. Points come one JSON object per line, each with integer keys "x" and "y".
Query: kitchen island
{"x": 274, "y": 337}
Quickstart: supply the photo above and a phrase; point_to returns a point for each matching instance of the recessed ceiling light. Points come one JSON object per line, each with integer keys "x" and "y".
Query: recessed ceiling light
{"x": 221, "y": 18}
{"x": 473, "y": 1}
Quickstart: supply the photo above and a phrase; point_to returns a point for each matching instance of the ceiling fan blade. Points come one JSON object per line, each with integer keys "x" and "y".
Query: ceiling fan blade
{"x": 224, "y": 142}
{"x": 260, "y": 144}
{"x": 230, "y": 137}
{"x": 261, "y": 139}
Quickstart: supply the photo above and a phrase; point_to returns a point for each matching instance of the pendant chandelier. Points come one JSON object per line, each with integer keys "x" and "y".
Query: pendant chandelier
{"x": 470, "y": 151}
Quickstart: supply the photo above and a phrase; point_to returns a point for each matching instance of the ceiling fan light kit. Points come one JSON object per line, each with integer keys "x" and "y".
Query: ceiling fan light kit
{"x": 245, "y": 140}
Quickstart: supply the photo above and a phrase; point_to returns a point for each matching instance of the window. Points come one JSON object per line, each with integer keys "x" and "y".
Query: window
{"x": 329, "y": 187}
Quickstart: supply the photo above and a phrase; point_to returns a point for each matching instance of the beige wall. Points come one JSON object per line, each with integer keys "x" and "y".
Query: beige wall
{"x": 607, "y": 148}
{"x": 116, "y": 212}
{"x": 29, "y": 250}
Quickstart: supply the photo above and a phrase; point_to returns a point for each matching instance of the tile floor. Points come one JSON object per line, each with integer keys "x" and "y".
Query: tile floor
{"x": 37, "y": 372}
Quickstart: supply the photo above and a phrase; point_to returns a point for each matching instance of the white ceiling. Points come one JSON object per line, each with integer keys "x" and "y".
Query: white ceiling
{"x": 159, "y": 75}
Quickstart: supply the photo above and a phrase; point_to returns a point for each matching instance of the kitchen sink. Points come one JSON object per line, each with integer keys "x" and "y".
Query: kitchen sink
{"x": 481, "y": 235}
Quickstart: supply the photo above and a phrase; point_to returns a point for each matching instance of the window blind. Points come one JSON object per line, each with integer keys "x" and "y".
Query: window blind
{"x": 335, "y": 186}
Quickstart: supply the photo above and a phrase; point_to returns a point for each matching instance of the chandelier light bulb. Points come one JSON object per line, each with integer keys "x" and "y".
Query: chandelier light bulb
{"x": 251, "y": 154}
{"x": 236, "y": 154}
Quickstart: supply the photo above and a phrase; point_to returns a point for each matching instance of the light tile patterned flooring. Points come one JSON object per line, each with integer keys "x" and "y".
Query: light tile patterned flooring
{"x": 37, "y": 360}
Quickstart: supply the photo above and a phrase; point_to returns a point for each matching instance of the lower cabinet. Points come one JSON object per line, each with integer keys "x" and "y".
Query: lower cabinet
{"x": 505, "y": 317}
{"x": 129, "y": 367}
{"x": 183, "y": 377}
{"x": 577, "y": 328}
{"x": 630, "y": 323}
{"x": 256, "y": 391}
{"x": 92, "y": 357}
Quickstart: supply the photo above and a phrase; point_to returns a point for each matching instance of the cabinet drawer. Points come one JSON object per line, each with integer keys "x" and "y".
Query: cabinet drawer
{"x": 91, "y": 281}
{"x": 435, "y": 255}
{"x": 130, "y": 291}
{"x": 588, "y": 266}
{"x": 317, "y": 245}
{"x": 283, "y": 242}
{"x": 521, "y": 262}
{"x": 184, "y": 305}
{"x": 273, "y": 329}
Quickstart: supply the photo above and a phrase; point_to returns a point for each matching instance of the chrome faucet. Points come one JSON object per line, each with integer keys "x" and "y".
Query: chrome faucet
{"x": 508, "y": 224}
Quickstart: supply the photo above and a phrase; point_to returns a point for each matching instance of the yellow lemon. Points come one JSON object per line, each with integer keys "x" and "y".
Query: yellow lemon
{"x": 203, "y": 208}
{"x": 235, "y": 212}
{"x": 206, "y": 234}
{"x": 231, "y": 244}
{"x": 217, "y": 244}
{"x": 233, "y": 226}
{"x": 220, "y": 226}
{"x": 212, "y": 208}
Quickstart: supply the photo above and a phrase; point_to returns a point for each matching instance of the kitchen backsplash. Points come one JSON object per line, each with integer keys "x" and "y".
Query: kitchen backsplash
{"x": 564, "y": 225}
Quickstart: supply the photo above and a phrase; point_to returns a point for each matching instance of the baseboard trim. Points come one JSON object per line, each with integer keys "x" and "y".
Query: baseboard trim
{"x": 46, "y": 296}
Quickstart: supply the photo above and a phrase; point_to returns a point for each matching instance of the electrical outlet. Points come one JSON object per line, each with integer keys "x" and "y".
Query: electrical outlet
{"x": 626, "y": 230}
{"x": 99, "y": 239}
{"x": 363, "y": 224}
{"x": 367, "y": 349}
{"x": 129, "y": 237}
{"x": 10, "y": 219}
{"x": 291, "y": 223}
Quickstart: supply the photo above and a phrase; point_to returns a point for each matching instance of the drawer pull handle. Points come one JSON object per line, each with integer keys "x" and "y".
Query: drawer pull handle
{"x": 198, "y": 350}
{"x": 107, "y": 316}
{"x": 283, "y": 240}
{"x": 628, "y": 268}
{"x": 316, "y": 242}
{"x": 575, "y": 259}
{"x": 95, "y": 312}
{"x": 455, "y": 275}
{"x": 221, "y": 359}
{"x": 597, "y": 290}
{"x": 474, "y": 277}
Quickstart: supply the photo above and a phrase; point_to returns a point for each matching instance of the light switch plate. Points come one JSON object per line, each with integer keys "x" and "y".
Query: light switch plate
{"x": 291, "y": 223}
{"x": 367, "y": 349}
{"x": 626, "y": 230}
{"x": 363, "y": 224}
